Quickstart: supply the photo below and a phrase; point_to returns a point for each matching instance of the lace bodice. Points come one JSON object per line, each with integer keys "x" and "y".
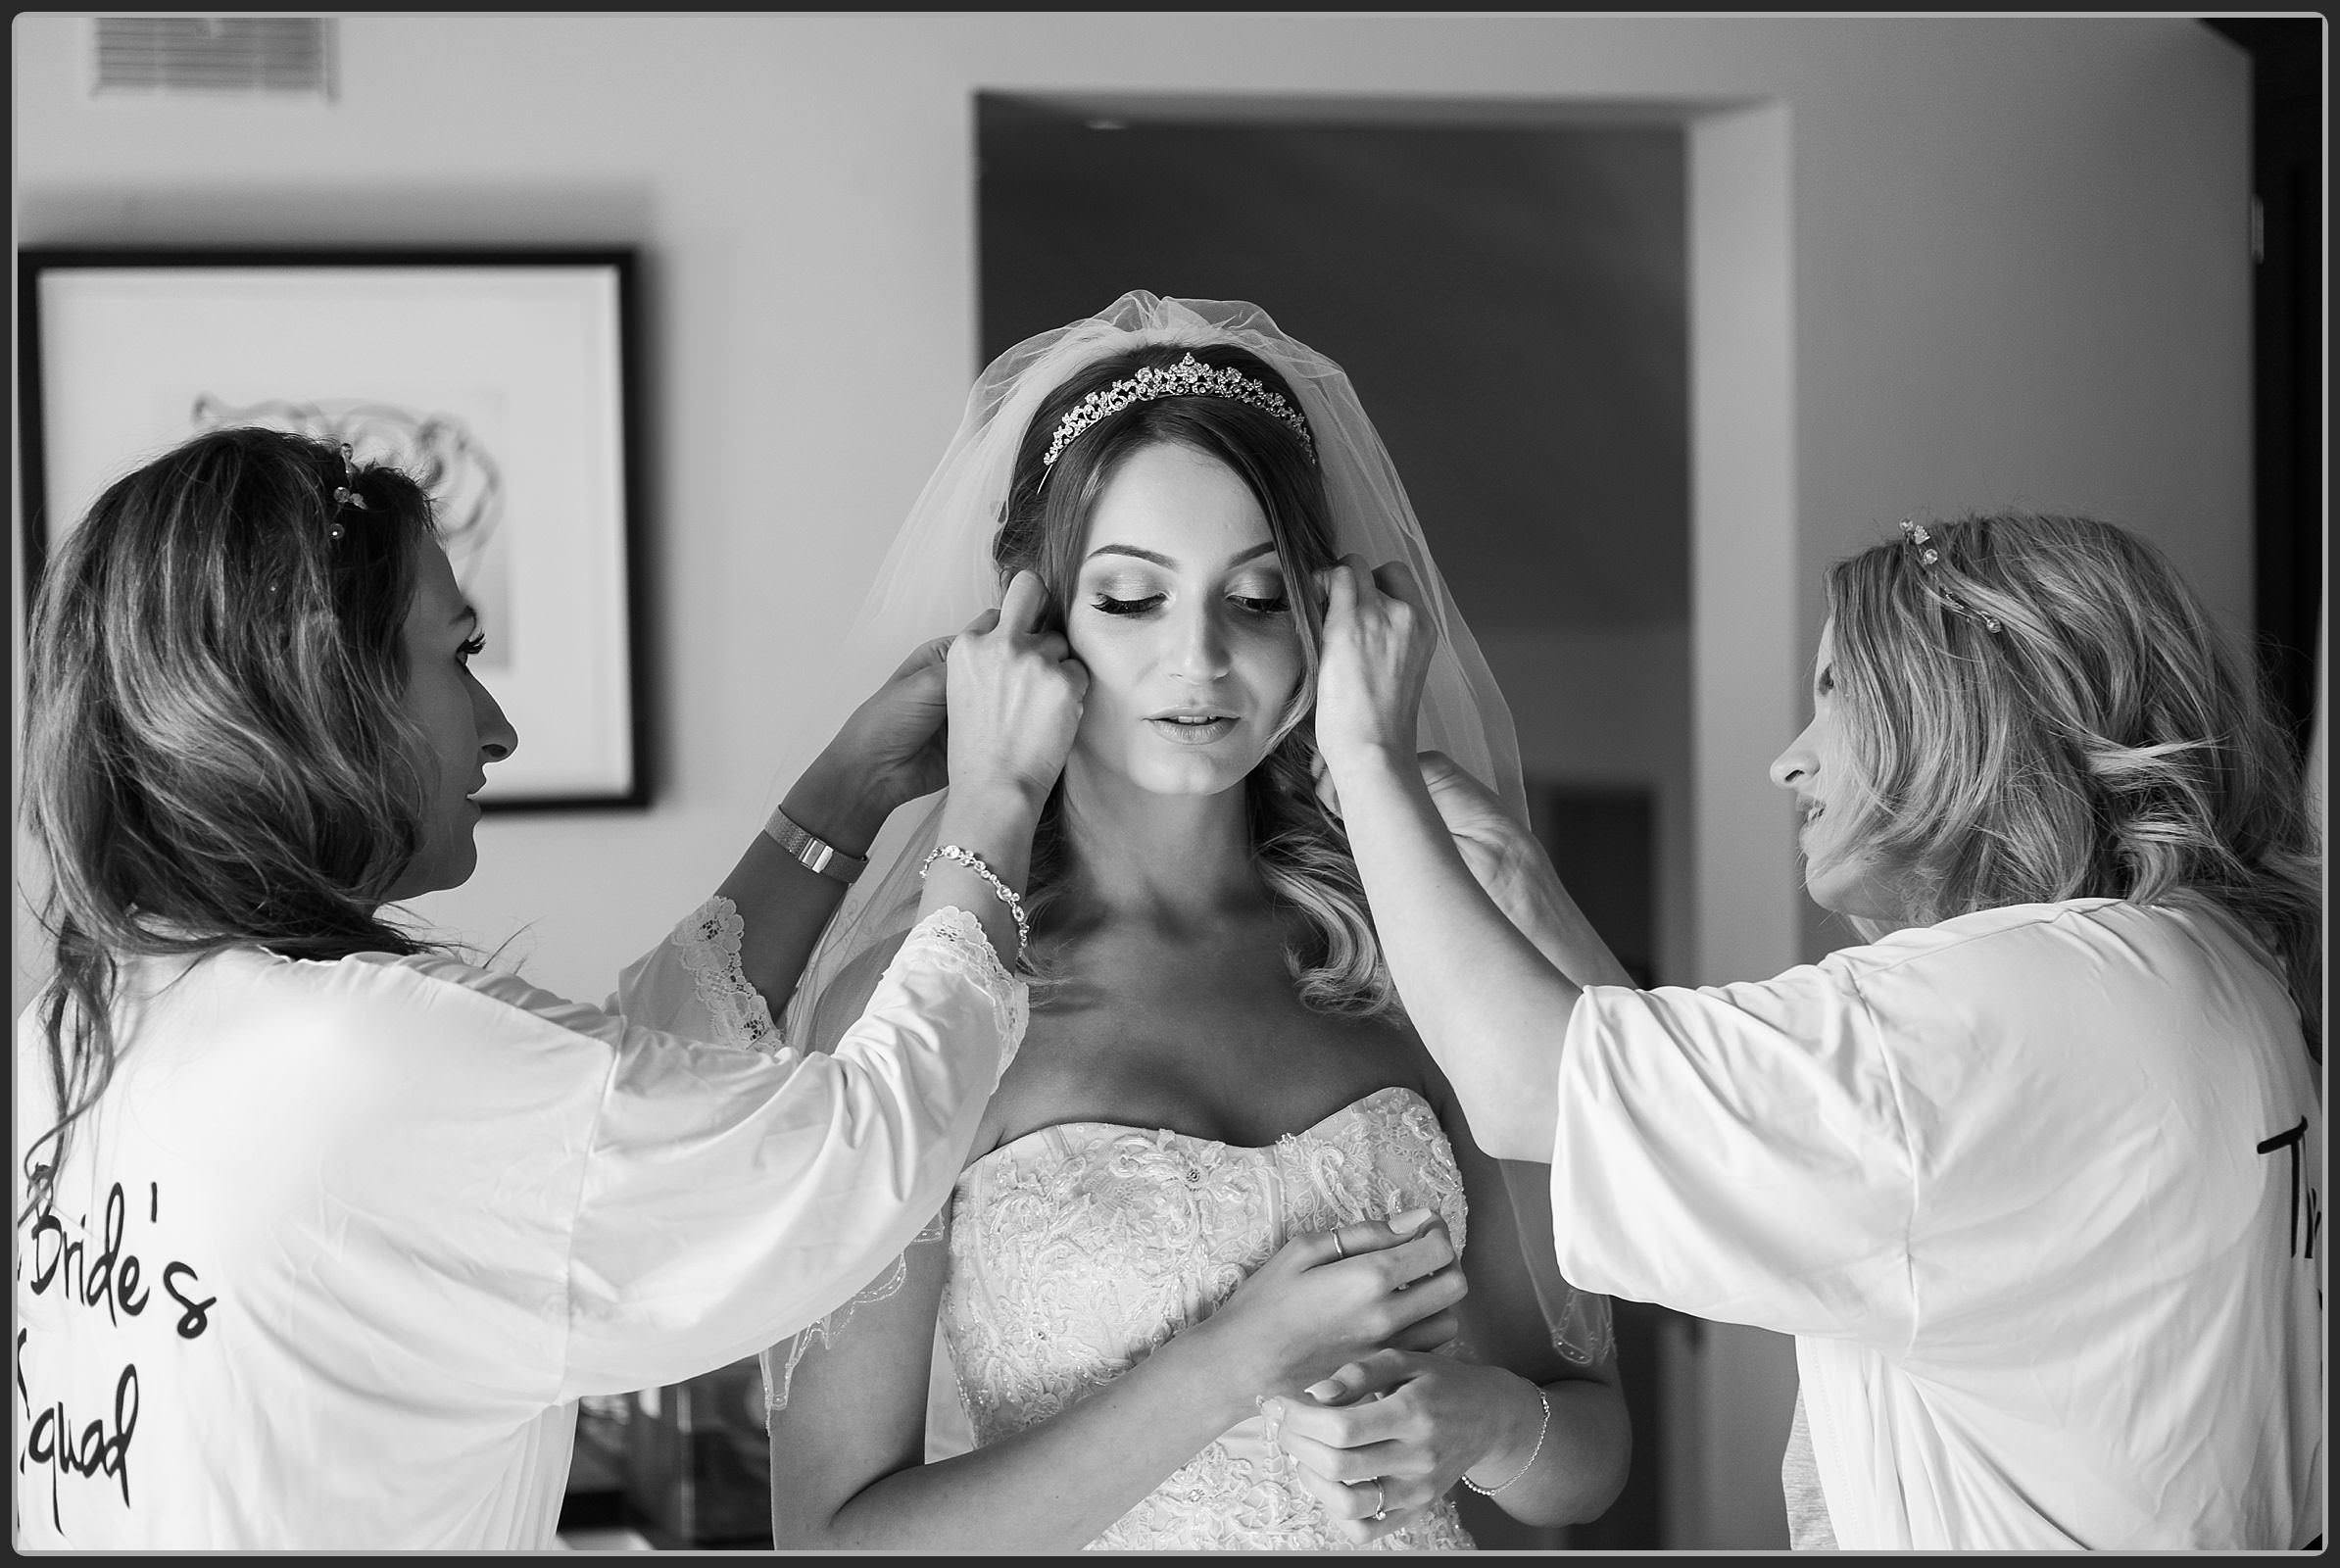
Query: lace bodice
{"x": 1076, "y": 1249}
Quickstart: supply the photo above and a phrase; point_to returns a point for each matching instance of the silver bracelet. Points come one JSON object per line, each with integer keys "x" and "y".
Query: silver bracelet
{"x": 814, "y": 854}
{"x": 1488, "y": 1492}
{"x": 1006, "y": 895}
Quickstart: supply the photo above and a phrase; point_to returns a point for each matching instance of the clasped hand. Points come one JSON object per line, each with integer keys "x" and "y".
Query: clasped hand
{"x": 1387, "y": 1435}
{"x": 1375, "y": 1296}
{"x": 1327, "y": 1298}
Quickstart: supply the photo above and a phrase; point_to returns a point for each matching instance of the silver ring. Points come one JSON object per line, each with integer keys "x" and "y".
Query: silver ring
{"x": 1339, "y": 1250}
{"x": 1381, "y": 1501}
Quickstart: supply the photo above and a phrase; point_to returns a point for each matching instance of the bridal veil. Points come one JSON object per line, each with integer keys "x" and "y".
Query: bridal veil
{"x": 939, "y": 574}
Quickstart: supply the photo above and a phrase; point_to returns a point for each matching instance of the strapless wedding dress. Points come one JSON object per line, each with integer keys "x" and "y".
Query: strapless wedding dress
{"x": 1076, "y": 1249}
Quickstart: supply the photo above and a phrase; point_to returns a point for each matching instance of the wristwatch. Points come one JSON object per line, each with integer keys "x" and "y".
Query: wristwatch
{"x": 814, "y": 854}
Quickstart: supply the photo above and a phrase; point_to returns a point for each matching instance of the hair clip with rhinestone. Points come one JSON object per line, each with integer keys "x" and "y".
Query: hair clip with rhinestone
{"x": 1189, "y": 377}
{"x": 1914, "y": 534}
{"x": 345, "y": 494}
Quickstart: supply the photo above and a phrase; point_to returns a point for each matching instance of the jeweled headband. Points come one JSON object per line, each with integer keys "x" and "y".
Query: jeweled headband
{"x": 1189, "y": 377}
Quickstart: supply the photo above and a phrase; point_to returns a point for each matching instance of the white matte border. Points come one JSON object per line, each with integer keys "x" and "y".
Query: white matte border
{"x": 522, "y": 362}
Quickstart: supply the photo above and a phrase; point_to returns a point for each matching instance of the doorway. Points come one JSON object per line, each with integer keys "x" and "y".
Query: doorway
{"x": 1512, "y": 305}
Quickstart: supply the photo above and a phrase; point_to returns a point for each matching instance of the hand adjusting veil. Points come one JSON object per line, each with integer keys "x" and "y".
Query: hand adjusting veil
{"x": 939, "y": 574}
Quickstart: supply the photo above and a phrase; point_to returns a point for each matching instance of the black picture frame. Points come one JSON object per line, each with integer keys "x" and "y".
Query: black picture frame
{"x": 506, "y": 379}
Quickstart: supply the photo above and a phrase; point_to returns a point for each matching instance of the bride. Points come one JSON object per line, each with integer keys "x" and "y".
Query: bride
{"x": 1223, "y": 1175}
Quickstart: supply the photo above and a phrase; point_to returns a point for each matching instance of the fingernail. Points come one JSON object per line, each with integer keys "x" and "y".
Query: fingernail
{"x": 1324, "y": 1392}
{"x": 1412, "y": 1220}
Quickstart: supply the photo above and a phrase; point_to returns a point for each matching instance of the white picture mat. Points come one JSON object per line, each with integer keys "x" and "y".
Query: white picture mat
{"x": 527, "y": 357}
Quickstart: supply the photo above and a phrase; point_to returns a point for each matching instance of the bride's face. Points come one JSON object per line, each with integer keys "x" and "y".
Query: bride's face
{"x": 1183, "y": 618}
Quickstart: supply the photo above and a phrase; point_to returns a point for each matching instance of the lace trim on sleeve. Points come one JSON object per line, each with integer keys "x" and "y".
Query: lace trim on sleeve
{"x": 708, "y": 943}
{"x": 1585, "y": 1330}
{"x": 954, "y": 938}
{"x": 780, "y": 1361}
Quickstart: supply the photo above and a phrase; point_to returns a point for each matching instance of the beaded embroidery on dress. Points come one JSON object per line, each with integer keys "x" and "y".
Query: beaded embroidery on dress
{"x": 1077, "y": 1250}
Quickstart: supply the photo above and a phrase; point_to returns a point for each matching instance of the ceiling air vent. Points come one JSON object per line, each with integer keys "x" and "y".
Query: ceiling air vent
{"x": 227, "y": 55}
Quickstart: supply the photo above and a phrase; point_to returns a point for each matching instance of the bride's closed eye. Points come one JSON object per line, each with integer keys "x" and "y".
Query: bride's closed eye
{"x": 1126, "y": 607}
{"x": 1108, "y": 604}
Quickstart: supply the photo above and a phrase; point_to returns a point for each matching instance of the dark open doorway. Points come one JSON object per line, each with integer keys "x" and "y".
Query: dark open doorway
{"x": 2290, "y": 423}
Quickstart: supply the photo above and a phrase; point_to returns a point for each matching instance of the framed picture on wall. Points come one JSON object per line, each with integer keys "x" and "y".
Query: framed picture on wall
{"x": 503, "y": 380}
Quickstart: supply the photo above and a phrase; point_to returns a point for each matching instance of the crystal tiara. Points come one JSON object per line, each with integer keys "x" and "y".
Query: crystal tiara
{"x": 1189, "y": 377}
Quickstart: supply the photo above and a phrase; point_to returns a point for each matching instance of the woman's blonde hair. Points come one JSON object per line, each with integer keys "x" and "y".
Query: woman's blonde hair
{"x": 215, "y": 753}
{"x": 2039, "y": 709}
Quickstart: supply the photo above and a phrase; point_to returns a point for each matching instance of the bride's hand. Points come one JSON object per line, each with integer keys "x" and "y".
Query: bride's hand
{"x": 1015, "y": 694}
{"x": 1385, "y": 1438}
{"x": 1374, "y": 656}
{"x": 1330, "y": 1298}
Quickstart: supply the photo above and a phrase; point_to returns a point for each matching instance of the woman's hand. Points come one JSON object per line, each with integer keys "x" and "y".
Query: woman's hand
{"x": 1014, "y": 695}
{"x": 889, "y": 751}
{"x": 1374, "y": 656}
{"x": 1386, "y": 1436}
{"x": 1330, "y": 1298}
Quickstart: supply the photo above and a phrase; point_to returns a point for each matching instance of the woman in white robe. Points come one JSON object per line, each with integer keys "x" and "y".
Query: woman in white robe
{"x": 2033, "y": 1172}
{"x": 321, "y": 1232}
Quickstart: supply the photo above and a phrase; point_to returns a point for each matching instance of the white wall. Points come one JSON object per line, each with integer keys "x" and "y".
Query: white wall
{"x": 1988, "y": 260}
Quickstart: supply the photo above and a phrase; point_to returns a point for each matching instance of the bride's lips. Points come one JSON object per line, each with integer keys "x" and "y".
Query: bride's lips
{"x": 1193, "y": 729}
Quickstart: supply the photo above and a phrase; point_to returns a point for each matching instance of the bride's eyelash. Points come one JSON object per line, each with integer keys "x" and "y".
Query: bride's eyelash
{"x": 1108, "y": 604}
{"x": 472, "y": 647}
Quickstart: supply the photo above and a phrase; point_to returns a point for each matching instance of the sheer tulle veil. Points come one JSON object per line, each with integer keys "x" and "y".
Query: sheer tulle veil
{"x": 938, "y": 575}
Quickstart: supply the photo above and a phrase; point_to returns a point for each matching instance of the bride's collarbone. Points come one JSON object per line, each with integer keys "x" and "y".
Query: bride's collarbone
{"x": 1201, "y": 968}
{"x": 1214, "y": 1054}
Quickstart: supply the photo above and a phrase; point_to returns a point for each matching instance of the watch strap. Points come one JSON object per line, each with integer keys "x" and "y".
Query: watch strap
{"x": 813, "y": 853}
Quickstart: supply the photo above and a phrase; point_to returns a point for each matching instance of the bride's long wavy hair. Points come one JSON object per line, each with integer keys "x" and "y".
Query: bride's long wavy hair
{"x": 2107, "y": 740}
{"x": 1301, "y": 848}
{"x": 213, "y": 749}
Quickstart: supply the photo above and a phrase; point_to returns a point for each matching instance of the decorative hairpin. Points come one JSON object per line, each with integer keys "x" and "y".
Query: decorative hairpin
{"x": 1189, "y": 377}
{"x": 1914, "y": 534}
{"x": 345, "y": 494}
